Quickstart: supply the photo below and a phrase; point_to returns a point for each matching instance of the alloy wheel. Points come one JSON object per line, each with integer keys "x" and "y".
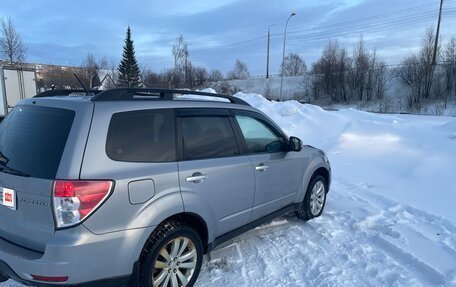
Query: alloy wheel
{"x": 175, "y": 263}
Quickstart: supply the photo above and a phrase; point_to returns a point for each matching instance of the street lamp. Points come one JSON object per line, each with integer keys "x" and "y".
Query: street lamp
{"x": 267, "y": 57}
{"x": 283, "y": 54}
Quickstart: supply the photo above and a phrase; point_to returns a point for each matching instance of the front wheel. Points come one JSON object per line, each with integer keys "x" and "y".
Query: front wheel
{"x": 3, "y": 278}
{"x": 172, "y": 257}
{"x": 315, "y": 199}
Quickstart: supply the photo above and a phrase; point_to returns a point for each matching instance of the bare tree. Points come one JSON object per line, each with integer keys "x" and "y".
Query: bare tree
{"x": 90, "y": 68}
{"x": 449, "y": 65}
{"x": 379, "y": 78}
{"x": 417, "y": 71}
{"x": 358, "y": 74}
{"x": 240, "y": 71}
{"x": 325, "y": 68}
{"x": 152, "y": 79}
{"x": 11, "y": 46}
{"x": 426, "y": 58}
{"x": 108, "y": 72}
{"x": 200, "y": 76}
{"x": 375, "y": 78}
{"x": 293, "y": 65}
{"x": 215, "y": 76}
{"x": 411, "y": 75}
{"x": 181, "y": 62}
{"x": 331, "y": 72}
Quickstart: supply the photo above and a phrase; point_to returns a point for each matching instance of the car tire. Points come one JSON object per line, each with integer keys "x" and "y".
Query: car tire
{"x": 3, "y": 278}
{"x": 315, "y": 198}
{"x": 173, "y": 254}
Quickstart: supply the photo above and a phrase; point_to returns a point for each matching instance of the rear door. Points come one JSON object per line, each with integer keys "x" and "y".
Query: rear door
{"x": 278, "y": 172}
{"x": 32, "y": 141}
{"x": 213, "y": 174}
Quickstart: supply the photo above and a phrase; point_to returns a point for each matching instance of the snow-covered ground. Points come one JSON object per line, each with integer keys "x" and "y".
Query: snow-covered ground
{"x": 390, "y": 218}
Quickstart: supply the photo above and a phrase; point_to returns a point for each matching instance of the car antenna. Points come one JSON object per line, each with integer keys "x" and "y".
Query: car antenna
{"x": 80, "y": 82}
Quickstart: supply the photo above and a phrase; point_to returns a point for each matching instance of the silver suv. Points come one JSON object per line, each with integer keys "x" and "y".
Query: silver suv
{"x": 132, "y": 186}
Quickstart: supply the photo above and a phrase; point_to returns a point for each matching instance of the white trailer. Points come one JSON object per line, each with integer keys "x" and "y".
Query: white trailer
{"x": 15, "y": 84}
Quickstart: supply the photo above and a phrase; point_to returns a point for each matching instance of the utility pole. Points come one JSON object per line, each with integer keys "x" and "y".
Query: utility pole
{"x": 267, "y": 57}
{"x": 434, "y": 59}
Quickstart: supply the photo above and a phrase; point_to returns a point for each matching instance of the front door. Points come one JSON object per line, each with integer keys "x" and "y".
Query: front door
{"x": 278, "y": 172}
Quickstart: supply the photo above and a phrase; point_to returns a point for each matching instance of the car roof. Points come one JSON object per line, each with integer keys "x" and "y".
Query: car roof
{"x": 129, "y": 94}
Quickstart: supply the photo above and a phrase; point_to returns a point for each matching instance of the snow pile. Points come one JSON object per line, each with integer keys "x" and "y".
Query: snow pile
{"x": 389, "y": 219}
{"x": 410, "y": 159}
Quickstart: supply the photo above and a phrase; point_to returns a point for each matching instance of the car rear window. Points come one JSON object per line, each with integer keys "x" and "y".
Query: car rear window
{"x": 142, "y": 136}
{"x": 32, "y": 140}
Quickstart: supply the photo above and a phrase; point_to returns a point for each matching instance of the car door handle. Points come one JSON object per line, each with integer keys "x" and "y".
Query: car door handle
{"x": 197, "y": 177}
{"x": 261, "y": 167}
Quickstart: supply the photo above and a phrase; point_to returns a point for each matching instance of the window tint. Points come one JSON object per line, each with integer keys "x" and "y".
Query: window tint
{"x": 206, "y": 137}
{"x": 32, "y": 140}
{"x": 142, "y": 136}
{"x": 260, "y": 137}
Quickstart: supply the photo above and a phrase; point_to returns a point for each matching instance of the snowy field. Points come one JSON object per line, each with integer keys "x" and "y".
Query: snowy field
{"x": 390, "y": 218}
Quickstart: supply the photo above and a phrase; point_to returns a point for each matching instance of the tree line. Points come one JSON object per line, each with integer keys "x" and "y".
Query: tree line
{"x": 363, "y": 76}
{"x": 340, "y": 75}
{"x": 96, "y": 72}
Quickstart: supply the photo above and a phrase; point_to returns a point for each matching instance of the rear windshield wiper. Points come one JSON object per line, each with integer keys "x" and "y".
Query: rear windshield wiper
{"x": 10, "y": 170}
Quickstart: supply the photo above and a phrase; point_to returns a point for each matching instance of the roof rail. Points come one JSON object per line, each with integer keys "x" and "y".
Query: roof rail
{"x": 126, "y": 94}
{"x": 54, "y": 93}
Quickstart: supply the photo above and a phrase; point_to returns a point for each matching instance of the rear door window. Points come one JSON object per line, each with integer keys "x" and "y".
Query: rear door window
{"x": 142, "y": 136}
{"x": 208, "y": 137}
{"x": 32, "y": 140}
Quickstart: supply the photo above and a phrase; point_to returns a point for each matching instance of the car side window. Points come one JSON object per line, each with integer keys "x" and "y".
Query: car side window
{"x": 142, "y": 136}
{"x": 208, "y": 137}
{"x": 259, "y": 137}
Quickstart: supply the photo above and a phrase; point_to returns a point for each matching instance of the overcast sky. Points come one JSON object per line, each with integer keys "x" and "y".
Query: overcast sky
{"x": 220, "y": 31}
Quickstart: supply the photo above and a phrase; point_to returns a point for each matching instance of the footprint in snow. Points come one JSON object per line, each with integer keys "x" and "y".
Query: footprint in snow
{"x": 220, "y": 264}
{"x": 452, "y": 136}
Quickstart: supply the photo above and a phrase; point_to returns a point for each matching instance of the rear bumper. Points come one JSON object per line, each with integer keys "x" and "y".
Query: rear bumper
{"x": 85, "y": 258}
{"x": 123, "y": 281}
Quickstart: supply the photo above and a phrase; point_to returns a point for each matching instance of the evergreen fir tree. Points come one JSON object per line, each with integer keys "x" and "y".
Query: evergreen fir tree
{"x": 129, "y": 74}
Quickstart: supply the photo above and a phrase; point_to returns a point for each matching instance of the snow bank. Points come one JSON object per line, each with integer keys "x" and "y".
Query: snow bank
{"x": 409, "y": 159}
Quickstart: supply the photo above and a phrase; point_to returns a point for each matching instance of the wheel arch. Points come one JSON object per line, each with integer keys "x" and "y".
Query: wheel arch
{"x": 324, "y": 172}
{"x": 194, "y": 221}
{"x": 315, "y": 167}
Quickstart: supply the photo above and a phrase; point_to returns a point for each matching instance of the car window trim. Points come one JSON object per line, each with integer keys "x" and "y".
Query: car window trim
{"x": 201, "y": 112}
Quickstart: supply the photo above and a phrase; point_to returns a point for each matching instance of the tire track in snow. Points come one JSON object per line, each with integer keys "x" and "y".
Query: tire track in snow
{"x": 431, "y": 252}
{"x": 340, "y": 249}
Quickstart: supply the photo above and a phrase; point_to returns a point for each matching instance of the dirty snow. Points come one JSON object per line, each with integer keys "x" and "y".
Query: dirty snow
{"x": 390, "y": 218}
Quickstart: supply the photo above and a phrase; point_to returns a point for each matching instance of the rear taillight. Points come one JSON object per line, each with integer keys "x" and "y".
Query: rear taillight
{"x": 74, "y": 200}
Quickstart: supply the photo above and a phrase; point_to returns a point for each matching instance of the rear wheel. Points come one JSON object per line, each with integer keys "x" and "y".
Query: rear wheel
{"x": 172, "y": 257}
{"x": 315, "y": 199}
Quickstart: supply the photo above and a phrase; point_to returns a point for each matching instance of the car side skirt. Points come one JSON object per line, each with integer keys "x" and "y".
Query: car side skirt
{"x": 236, "y": 232}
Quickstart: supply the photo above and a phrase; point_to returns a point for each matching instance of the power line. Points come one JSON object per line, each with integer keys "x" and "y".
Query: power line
{"x": 358, "y": 29}
{"x": 372, "y": 24}
{"x": 368, "y": 27}
{"x": 367, "y": 18}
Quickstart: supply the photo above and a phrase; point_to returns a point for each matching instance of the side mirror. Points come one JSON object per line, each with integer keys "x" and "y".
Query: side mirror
{"x": 295, "y": 144}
